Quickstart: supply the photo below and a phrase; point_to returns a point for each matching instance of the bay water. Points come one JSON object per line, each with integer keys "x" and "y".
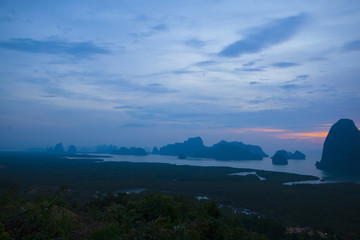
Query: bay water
{"x": 303, "y": 167}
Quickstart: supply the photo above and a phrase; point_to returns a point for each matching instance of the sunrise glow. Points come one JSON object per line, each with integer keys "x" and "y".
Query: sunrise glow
{"x": 303, "y": 135}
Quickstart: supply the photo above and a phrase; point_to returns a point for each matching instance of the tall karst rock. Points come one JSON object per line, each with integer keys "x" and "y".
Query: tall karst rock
{"x": 341, "y": 149}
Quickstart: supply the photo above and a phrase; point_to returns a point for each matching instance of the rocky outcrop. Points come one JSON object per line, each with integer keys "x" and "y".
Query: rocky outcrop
{"x": 104, "y": 148}
{"x": 194, "y": 147}
{"x": 138, "y": 152}
{"x": 191, "y": 147}
{"x": 237, "y": 151}
{"x": 131, "y": 151}
{"x": 279, "y": 159}
{"x": 298, "y": 155}
{"x": 289, "y": 155}
{"x": 155, "y": 150}
{"x": 341, "y": 151}
{"x": 72, "y": 149}
{"x": 58, "y": 149}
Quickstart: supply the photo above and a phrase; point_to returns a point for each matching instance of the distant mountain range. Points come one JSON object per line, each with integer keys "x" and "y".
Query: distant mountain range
{"x": 341, "y": 151}
{"x": 194, "y": 147}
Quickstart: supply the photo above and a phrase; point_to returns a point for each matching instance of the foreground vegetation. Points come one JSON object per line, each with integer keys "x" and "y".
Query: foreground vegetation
{"x": 130, "y": 216}
{"x": 92, "y": 205}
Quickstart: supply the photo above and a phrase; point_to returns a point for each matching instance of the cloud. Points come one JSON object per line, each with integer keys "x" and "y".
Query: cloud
{"x": 160, "y": 28}
{"x": 157, "y": 88}
{"x": 254, "y": 82}
{"x": 194, "y": 43}
{"x": 316, "y": 59}
{"x": 129, "y": 86}
{"x": 126, "y": 107}
{"x": 48, "y": 96}
{"x": 249, "y": 64}
{"x": 137, "y": 125}
{"x": 302, "y": 77}
{"x": 246, "y": 69}
{"x": 75, "y": 49}
{"x": 265, "y": 36}
{"x": 351, "y": 46}
{"x": 205, "y": 63}
{"x": 266, "y": 130}
{"x": 182, "y": 71}
{"x": 290, "y": 86}
{"x": 284, "y": 64}
{"x": 150, "y": 31}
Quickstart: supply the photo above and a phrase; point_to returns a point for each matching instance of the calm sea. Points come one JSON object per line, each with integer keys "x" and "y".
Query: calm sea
{"x": 304, "y": 167}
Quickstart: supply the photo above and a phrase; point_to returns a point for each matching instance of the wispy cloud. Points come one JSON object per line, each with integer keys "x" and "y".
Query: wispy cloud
{"x": 249, "y": 64}
{"x": 182, "y": 71}
{"x": 247, "y": 69}
{"x": 75, "y": 49}
{"x": 284, "y": 64}
{"x": 352, "y": 46}
{"x": 317, "y": 59}
{"x": 194, "y": 42}
{"x": 161, "y": 28}
{"x": 157, "y": 88}
{"x": 254, "y": 82}
{"x": 265, "y": 36}
{"x": 205, "y": 63}
{"x": 149, "y": 31}
{"x": 126, "y": 107}
{"x": 266, "y": 130}
{"x": 302, "y": 77}
{"x": 290, "y": 86}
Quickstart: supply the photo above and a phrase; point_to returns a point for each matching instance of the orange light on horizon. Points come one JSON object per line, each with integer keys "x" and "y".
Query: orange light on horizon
{"x": 316, "y": 136}
{"x": 304, "y": 135}
{"x": 285, "y": 133}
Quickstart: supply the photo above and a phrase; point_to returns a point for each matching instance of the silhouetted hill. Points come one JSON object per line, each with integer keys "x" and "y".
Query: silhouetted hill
{"x": 194, "y": 147}
{"x": 289, "y": 155}
{"x": 341, "y": 150}
{"x": 298, "y": 155}
{"x": 279, "y": 159}
{"x": 58, "y": 149}
{"x": 104, "y": 148}
{"x": 132, "y": 151}
{"x": 155, "y": 150}
{"x": 237, "y": 151}
{"x": 191, "y": 147}
{"x": 138, "y": 152}
{"x": 72, "y": 149}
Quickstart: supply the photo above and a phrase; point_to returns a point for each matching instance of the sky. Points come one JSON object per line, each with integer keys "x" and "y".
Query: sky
{"x": 143, "y": 73}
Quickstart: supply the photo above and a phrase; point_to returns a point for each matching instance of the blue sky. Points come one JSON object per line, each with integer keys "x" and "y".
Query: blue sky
{"x": 148, "y": 73}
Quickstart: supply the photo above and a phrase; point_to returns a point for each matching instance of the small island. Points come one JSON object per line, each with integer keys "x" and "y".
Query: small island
{"x": 279, "y": 159}
{"x": 297, "y": 155}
